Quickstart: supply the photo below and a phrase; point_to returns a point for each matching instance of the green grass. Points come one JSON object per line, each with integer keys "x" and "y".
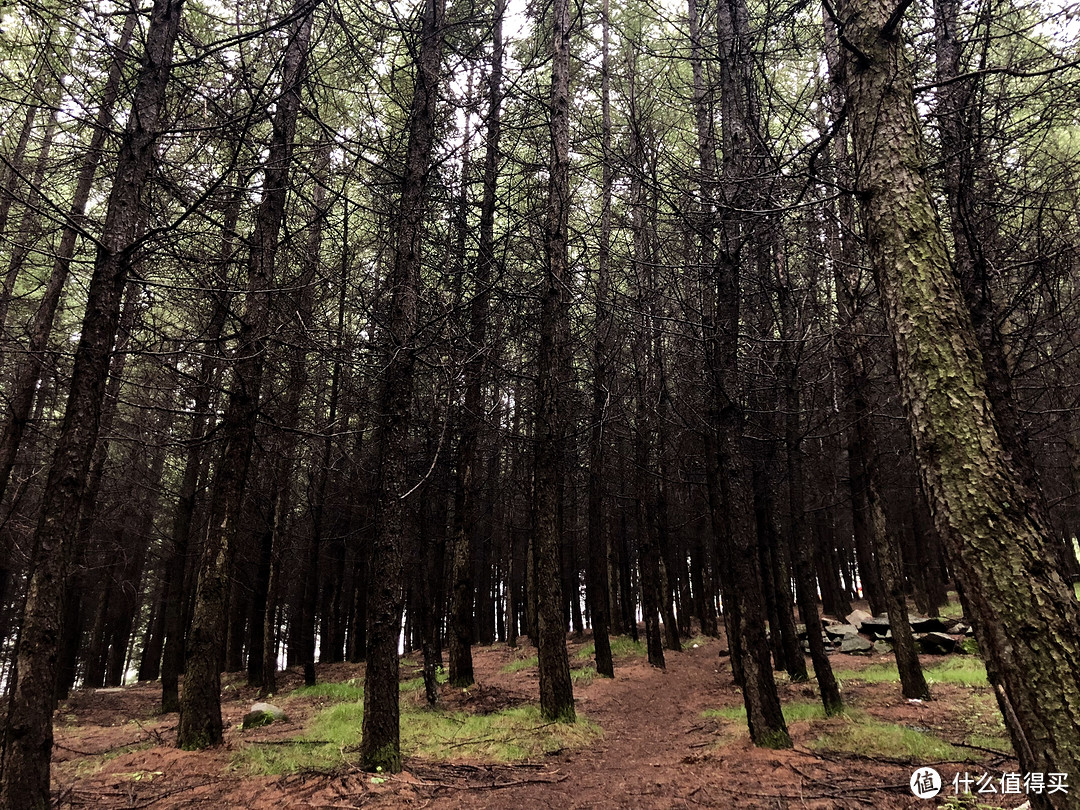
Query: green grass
{"x": 520, "y": 664}
{"x": 583, "y": 675}
{"x": 620, "y": 646}
{"x": 350, "y": 690}
{"x": 962, "y": 671}
{"x": 417, "y": 684}
{"x": 797, "y": 712}
{"x": 333, "y": 736}
{"x": 865, "y": 736}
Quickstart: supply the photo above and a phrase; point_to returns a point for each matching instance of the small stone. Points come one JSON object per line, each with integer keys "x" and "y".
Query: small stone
{"x": 882, "y": 648}
{"x": 263, "y": 714}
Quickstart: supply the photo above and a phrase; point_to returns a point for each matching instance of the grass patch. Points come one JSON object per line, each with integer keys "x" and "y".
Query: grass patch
{"x": 333, "y": 736}
{"x": 952, "y": 609}
{"x": 350, "y": 690}
{"x": 962, "y": 671}
{"x": 796, "y": 712}
{"x": 521, "y": 663}
{"x": 863, "y": 735}
{"x": 583, "y": 675}
{"x": 620, "y": 646}
{"x": 417, "y": 684}
{"x": 875, "y": 673}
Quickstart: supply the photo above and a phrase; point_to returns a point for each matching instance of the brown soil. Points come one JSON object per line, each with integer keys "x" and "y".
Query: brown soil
{"x": 657, "y": 750}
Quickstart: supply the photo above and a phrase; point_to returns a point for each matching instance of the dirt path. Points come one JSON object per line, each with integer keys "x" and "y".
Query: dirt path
{"x": 657, "y": 751}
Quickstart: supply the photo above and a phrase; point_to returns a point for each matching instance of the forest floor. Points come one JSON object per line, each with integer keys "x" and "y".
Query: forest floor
{"x": 653, "y": 739}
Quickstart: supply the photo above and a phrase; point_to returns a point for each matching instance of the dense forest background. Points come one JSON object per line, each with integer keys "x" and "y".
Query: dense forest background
{"x": 335, "y": 326}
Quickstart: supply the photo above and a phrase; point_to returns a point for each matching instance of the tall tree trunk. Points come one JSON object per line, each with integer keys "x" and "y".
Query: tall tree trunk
{"x": 380, "y": 747}
{"x": 598, "y": 580}
{"x": 28, "y": 371}
{"x": 1026, "y": 618}
{"x": 466, "y": 500}
{"x": 556, "y": 689}
{"x": 28, "y": 738}
{"x": 200, "y": 704}
{"x": 176, "y": 565}
{"x": 741, "y": 133}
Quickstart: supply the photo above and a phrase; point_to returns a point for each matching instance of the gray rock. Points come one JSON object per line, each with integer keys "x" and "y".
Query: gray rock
{"x": 925, "y": 624}
{"x": 882, "y": 648}
{"x": 841, "y": 630}
{"x": 855, "y": 644}
{"x": 857, "y": 617}
{"x": 875, "y": 626}
{"x": 937, "y": 644}
{"x": 263, "y": 714}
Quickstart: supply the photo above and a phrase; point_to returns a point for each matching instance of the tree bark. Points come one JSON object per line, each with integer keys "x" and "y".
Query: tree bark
{"x": 380, "y": 747}
{"x": 28, "y": 738}
{"x": 1026, "y": 618}
{"x": 556, "y": 689}
{"x": 200, "y": 704}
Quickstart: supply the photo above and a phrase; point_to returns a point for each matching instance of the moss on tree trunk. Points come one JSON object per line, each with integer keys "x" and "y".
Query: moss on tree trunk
{"x": 1025, "y": 616}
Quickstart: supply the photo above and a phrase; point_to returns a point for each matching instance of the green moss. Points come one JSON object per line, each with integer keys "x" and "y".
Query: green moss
{"x": 775, "y": 739}
{"x": 384, "y": 760}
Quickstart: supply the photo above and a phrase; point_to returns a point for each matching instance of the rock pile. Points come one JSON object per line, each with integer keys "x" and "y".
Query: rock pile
{"x": 862, "y": 634}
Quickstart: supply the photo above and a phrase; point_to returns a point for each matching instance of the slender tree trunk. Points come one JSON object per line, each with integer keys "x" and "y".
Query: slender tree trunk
{"x": 200, "y": 704}
{"x": 28, "y": 739}
{"x": 598, "y": 580}
{"x": 741, "y": 127}
{"x": 380, "y": 746}
{"x": 1026, "y": 618}
{"x": 466, "y": 500}
{"x": 176, "y": 565}
{"x": 28, "y": 371}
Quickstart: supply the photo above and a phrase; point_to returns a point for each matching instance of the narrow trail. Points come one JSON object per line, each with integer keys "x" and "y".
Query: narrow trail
{"x": 652, "y": 728}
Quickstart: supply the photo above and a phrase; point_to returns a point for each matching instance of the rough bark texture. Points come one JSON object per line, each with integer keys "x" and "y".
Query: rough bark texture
{"x": 556, "y": 690}
{"x": 28, "y": 371}
{"x": 28, "y": 739}
{"x": 200, "y": 704}
{"x": 744, "y": 602}
{"x": 380, "y": 747}
{"x": 1026, "y": 618}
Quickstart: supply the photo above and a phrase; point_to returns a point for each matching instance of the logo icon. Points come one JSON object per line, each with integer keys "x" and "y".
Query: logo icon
{"x": 925, "y": 783}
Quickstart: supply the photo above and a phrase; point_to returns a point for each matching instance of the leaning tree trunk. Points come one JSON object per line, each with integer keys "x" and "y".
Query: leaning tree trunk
{"x": 380, "y": 746}
{"x": 556, "y": 689}
{"x": 28, "y": 739}
{"x": 200, "y": 704}
{"x": 1026, "y": 618}
{"x": 28, "y": 371}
